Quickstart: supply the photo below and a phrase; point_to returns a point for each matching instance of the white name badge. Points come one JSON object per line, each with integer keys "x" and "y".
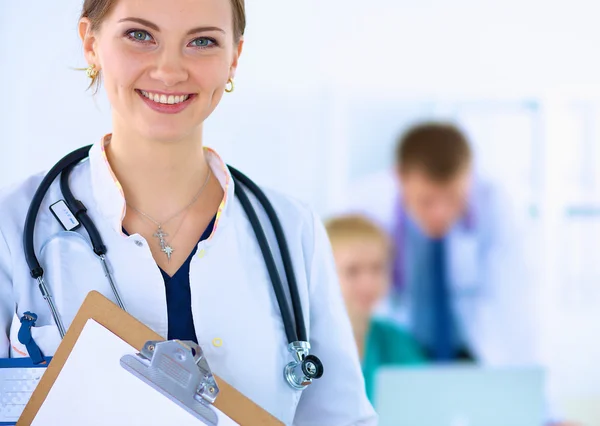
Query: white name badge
{"x": 64, "y": 215}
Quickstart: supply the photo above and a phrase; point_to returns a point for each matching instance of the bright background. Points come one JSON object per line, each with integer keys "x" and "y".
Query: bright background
{"x": 324, "y": 88}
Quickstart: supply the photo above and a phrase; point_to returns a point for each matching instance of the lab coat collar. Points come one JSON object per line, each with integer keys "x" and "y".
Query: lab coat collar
{"x": 110, "y": 199}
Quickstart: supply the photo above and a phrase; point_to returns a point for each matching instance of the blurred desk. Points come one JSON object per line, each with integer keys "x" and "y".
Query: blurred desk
{"x": 460, "y": 395}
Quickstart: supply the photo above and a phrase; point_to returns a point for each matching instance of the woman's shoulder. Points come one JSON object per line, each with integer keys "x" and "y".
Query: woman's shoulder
{"x": 386, "y": 326}
{"x": 294, "y": 214}
{"x": 400, "y": 344}
{"x": 16, "y": 197}
{"x": 389, "y": 330}
{"x": 290, "y": 206}
{"x": 303, "y": 228}
{"x": 23, "y": 189}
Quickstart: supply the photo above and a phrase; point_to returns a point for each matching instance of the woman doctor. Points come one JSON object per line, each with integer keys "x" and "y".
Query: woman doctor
{"x": 182, "y": 252}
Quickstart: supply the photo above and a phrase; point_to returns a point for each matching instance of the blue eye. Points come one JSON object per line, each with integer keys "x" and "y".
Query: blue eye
{"x": 202, "y": 42}
{"x": 139, "y": 35}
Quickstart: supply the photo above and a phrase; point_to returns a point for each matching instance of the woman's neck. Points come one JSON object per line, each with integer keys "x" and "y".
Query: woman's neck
{"x": 157, "y": 177}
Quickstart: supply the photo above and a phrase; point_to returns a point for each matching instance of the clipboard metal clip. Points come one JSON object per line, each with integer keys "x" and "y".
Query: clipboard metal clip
{"x": 179, "y": 370}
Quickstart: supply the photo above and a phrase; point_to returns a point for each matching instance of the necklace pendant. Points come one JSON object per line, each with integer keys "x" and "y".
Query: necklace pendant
{"x": 168, "y": 250}
{"x": 160, "y": 234}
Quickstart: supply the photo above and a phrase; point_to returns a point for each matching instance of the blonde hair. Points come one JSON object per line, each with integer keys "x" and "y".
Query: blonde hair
{"x": 354, "y": 227}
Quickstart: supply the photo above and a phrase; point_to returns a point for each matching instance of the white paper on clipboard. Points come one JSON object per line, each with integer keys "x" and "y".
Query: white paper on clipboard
{"x": 93, "y": 389}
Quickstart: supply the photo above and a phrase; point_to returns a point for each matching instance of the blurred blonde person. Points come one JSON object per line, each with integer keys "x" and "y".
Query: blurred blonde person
{"x": 363, "y": 260}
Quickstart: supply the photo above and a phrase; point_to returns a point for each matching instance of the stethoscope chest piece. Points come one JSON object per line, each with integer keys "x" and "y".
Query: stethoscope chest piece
{"x": 304, "y": 369}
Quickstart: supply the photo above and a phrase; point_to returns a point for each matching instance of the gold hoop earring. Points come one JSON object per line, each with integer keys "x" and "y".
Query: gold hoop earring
{"x": 91, "y": 71}
{"x": 229, "y": 87}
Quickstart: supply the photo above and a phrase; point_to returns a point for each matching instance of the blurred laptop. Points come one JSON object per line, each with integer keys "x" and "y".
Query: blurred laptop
{"x": 460, "y": 396}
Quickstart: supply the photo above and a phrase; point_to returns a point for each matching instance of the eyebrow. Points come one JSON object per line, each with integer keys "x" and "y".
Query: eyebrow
{"x": 155, "y": 27}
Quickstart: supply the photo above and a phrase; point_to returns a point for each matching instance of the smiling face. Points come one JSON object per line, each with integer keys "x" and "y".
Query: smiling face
{"x": 363, "y": 270}
{"x": 362, "y": 256}
{"x": 165, "y": 65}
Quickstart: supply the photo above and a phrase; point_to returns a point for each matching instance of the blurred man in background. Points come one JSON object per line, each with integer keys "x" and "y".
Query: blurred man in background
{"x": 459, "y": 283}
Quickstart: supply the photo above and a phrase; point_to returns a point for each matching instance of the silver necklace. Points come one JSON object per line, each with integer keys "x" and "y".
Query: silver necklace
{"x": 166, "y": 248}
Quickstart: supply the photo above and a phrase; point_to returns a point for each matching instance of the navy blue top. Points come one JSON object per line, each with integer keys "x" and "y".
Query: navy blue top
{"x": 179, "y": 298}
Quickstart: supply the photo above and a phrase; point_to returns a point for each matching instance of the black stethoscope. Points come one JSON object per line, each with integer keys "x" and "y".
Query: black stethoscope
{"x": 298, "y": 373}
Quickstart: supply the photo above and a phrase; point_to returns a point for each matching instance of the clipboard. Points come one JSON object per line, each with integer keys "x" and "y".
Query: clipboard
{"x": 96, "y": 307}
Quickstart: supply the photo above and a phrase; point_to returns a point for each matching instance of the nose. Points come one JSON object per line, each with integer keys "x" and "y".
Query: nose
{"x": 170, "y": 68}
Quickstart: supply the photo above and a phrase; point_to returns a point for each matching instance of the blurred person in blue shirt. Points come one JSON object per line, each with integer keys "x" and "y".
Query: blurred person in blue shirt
{"x": 460, "y": 283}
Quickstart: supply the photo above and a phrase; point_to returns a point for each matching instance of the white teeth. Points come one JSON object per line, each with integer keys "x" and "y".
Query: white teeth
{"x": 164, "y": 99}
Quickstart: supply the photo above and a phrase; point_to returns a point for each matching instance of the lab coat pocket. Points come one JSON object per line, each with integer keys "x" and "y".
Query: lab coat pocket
{"x": 46, "y": 337}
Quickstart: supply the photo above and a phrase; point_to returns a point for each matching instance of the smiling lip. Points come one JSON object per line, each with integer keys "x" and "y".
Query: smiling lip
{"x": 166, "y": 103}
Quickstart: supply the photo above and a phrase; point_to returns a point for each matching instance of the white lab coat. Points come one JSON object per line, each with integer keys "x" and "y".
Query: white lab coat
{"x": 492, "y": 294}
{"x": 232, "y": 296}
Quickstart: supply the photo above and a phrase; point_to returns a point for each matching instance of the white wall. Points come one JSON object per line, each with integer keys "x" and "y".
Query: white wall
{"x": 324, "y": 87}
{"x": 303, "y": 63}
